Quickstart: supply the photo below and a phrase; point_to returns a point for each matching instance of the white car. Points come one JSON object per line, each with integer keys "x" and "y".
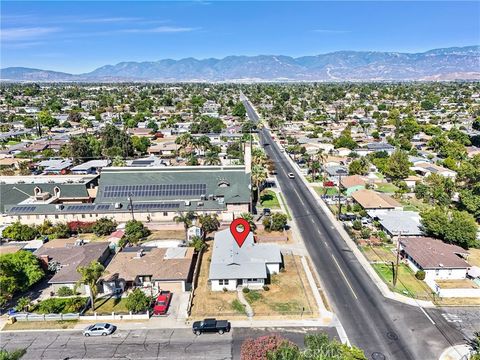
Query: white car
{"x": 291, "y": 176}
{"x": 99, "y": 329}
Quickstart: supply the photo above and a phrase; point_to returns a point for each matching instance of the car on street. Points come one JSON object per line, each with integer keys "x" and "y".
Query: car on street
{"x": 211, "y": 325}
{"x": 162, "y": 303}
{"x": 99, "y": 329}
{"x": 291, "y": 175}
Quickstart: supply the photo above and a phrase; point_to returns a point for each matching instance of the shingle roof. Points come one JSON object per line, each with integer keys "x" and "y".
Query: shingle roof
{"x": 369, "y": 199}
{"x": 156, "y": 262}
{"x": 431, "y": 253}
{"x": 397, "y": 222}
{"x": 353, "y": 180}
{"x": 248, "y": 261}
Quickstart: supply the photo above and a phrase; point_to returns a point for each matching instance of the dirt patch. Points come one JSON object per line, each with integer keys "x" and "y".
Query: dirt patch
{"x": 457, "y": 301}
{"x": 35, "y": 325}
{"x": 170, "y": 234}
{"x": 457, "y": 284}
{"x": 474, "y": 257}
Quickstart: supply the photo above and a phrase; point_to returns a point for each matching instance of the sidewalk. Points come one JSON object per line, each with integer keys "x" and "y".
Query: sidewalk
{"x": 457, "y": 352}
{"x": 386, "y": 292}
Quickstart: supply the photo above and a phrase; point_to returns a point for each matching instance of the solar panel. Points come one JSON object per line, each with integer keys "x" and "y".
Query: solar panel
{"x": 80, "y": 207}
{"x": 103, "y": 207}
{"x": 156, "y": 206}
{"x": 154, "y": 190}
{"x": 24, "y": 209}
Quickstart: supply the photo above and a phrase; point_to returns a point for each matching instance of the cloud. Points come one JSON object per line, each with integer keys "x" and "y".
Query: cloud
{"x": 23, "y": 44}
{"x": 25, "y": 33}
{"x": 331, "y": 31}
{"x": 161, "y": 29}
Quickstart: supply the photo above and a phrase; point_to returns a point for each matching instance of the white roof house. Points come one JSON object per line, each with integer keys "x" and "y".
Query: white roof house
{"x": 248, "y": 265}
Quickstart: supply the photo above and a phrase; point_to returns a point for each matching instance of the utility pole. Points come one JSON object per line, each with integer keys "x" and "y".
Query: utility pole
{"x": 395, "y": 274}
{"x": 131, "y": 205}
{"x": 339, "y": 173}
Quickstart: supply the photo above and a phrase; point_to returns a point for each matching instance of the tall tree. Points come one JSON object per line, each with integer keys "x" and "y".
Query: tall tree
{"x": 89, "y": 277}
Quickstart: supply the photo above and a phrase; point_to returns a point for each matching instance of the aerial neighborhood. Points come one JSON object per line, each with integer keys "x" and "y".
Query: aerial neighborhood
{"x": 116, "y": 200}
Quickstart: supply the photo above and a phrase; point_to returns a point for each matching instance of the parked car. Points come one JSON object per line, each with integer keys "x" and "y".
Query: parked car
{"x": 100, "y": 329}
{"x": 211, "y": 325}
{"x": 291, "y": 176}
{"x": 266, "y": 211}
{"x": 348, "y": 217}
{"x": 162, "y": 303}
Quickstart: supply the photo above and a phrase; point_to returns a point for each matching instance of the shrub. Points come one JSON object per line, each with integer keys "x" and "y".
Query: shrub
{"x": 225, "y": 289}
{"x": 357, "y": 225}
{"x": 137, "y": 301}
{"x": 62, "y": 231}
{"x": 253, "y": 296}
{"x": 80, "y": 227}
{"x": 365, "y": 233}
{"x": 245, "y": 290}
{"x": 20, "y": 232}
{"x": 104, "y": 226}
{"x": 23, "y": 303}
{"x": 275, "y": 222}
{"x": 266, "y": 288}
{"x": 135, "y": 230}
{"x": 259, "y": 348}
{"x": 420, "y": 275}
{"x": 64, "y": 291}
{"x": 61, "y": 306}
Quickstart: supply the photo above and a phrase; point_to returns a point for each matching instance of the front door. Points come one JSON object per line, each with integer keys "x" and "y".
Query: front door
{"x": 239, "y": 282}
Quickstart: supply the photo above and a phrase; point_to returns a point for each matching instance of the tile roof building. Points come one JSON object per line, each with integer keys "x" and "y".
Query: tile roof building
{"x": 370, "y": 200}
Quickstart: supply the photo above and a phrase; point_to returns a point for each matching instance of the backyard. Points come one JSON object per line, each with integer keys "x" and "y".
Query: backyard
{"x": 277, "y": 301}
{"x": 386, "y": 188}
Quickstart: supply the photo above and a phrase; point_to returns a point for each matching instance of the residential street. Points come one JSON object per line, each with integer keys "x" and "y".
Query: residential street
{"x": 143, "y": 343}
{"x": 383, "y": 328}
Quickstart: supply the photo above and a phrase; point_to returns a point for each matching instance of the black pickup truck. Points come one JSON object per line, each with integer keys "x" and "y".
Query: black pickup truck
{"x": 211, "y": 325}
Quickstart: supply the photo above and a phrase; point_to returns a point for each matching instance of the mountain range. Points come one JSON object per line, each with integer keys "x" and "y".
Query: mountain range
{"x": 456, "y": 63}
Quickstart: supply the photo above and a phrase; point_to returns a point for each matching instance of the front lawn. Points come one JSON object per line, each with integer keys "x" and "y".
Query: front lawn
{"x": 326, "y": 191}
{"x": 378, "y": 253}
{"x": 105, "y": 306}
{"x": 386, "y": 188}
{"x": 407, "y": 283}
{"x": 268, "y": 199}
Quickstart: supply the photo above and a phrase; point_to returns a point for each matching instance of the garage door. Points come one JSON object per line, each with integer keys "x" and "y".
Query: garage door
{"x": 173, "y": 286}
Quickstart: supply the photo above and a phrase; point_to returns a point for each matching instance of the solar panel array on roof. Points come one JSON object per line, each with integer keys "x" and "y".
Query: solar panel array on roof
{"x": 103, "y": 207}
{"x": 155, "y": 206}
{"x": 23, "y": 209}
{"x": 150, "y": 190}
{"x": 80, "y": 207}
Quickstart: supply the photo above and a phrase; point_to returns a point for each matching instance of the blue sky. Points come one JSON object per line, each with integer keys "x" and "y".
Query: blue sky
{"x": 80, "y": 36}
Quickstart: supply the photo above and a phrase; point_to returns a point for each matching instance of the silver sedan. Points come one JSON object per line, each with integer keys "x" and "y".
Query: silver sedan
{"x": 100, "y": 329}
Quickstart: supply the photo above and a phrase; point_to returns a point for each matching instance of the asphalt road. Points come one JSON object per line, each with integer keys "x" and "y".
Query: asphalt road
{"x": 143, "y": 343}
{"x": 383, "y": 328}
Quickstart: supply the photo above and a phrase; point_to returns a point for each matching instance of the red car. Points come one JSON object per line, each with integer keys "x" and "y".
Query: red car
{"x": 162, "y": 303}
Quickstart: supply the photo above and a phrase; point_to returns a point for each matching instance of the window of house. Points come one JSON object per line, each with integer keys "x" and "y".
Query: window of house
{"x": 437, "y": 272}
{"x": 165, "y": 213}
{"x": 223, "y": 282}
{"x": 83, "y": 216}
{"x": 56, "y": 216}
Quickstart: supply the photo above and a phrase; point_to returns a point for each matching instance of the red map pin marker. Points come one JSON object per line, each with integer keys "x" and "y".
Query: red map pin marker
{"x": 240, "y": 236}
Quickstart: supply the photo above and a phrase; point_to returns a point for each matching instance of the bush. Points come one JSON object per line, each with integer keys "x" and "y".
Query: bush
{"x": 365, "y": 233}
{"x": 20, "y": 232}
{"x": 61, "y": 306}
{"x": 357, "y": 225}
{"x": 64, "y": 291}
{"x": 238, "y": 306}
{"x": 420, "y": 275}
{"x": 80, "y": 227}
{"x": 225, "y": 289}
{"x": 245, "y": 290}
{"x": 135, "y": 230}
{"x": 137, "y": 301}
{"x": 266, "y": 288}
{"x": 23, "y": 303}
{"x": 258, "y": 349}
{"x": 104, "y": 226}
{"x": 61, "y": 231}
{"x": 275, "y": 222}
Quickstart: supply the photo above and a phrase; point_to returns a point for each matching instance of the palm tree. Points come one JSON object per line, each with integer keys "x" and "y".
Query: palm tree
{"x": 185, "y": 140}
{"x": 211, "y": 158}
{"x": 259, "y": 175}
{"x": 249, "y": 218}
{"x": 186, "y": 219}
{"x": 321, "y": 157}
{"x": 208, "y": 224}
{"x": 202, "y": 143}
{"x": 89, "y": 277}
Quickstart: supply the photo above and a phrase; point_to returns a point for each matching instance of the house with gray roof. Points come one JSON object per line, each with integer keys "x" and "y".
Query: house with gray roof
{"x": 248, "y": 266}
{"x": 398, "y": 222}
{"x": 90, "y": 167}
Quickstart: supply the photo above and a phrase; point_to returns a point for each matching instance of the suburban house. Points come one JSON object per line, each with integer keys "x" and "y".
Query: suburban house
{"x": 439, "y": 260}
{"x": 90, "y": 167}
{"x": 152, "y": 268}
{"x": 375, "y": 147}
{"x": 398, "y": 222}
{"x": 55, "y": 166}
{"x": 425, "y": 169}
{"x": 249, "y": 265}
{"x": 66, "y": 256}
{"x": 371, "y": 200}
{"x": 352, "y": 183}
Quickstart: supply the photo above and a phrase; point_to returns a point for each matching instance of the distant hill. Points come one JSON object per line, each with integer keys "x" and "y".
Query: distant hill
{"x": 439, "y": 64}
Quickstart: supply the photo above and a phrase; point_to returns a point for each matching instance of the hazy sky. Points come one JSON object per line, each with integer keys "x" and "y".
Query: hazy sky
{"x": 80, "y": 36}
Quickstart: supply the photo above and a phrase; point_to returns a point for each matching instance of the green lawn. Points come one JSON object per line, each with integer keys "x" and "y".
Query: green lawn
{"x": 329, "y": 190}
{"x": 386, "y": 188}
{"x": 268, "y": 199}
{"x": 414, "y": 204}
{"x": 407, "y": 284}
{"x": 289, "y": 216}
{"x": 109, "y": 305}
